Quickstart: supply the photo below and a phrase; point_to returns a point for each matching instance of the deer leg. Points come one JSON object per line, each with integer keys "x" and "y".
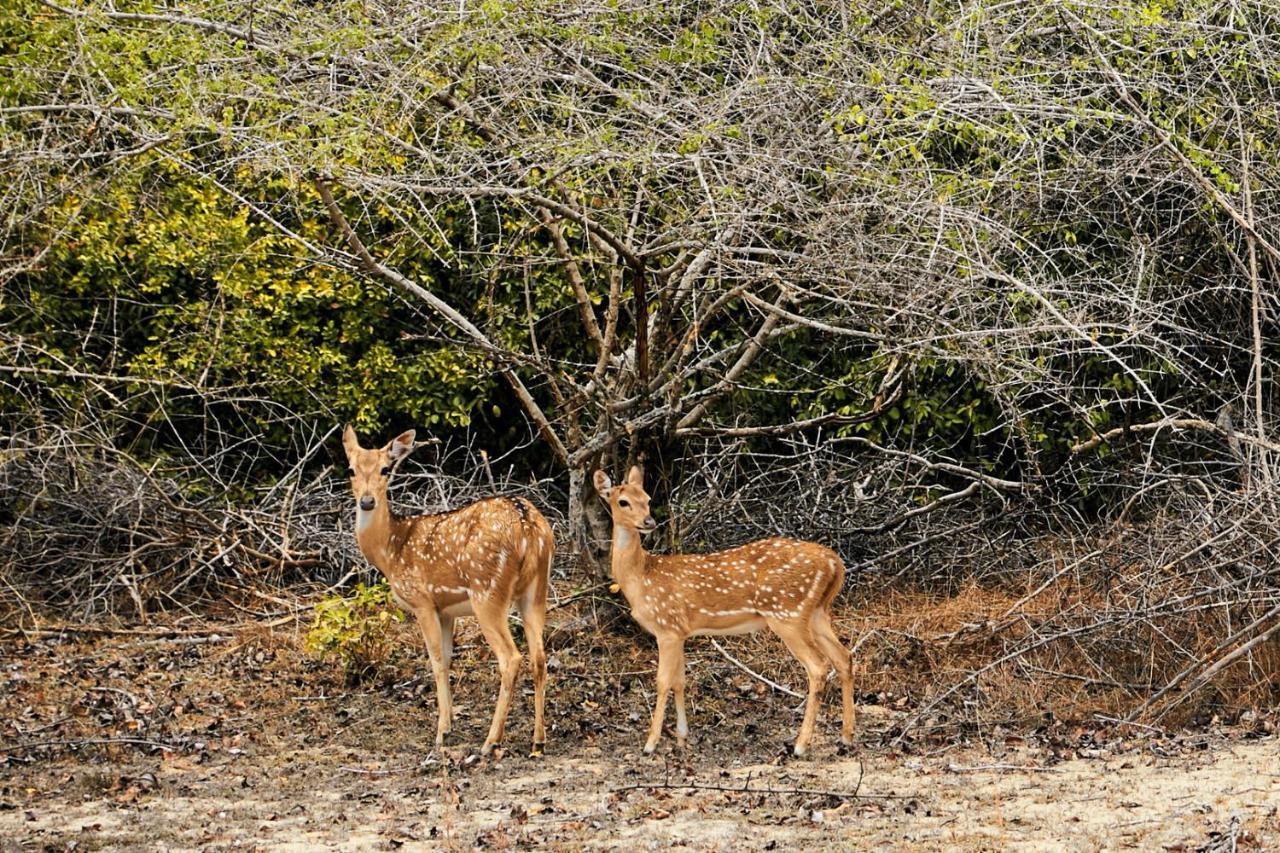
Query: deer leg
{"x": 677, "y": 689}
{"x": 429, "y": 623}
{"x": 838, "y": 655}
{"x": 446, "y": 654}
{"x": 670, "y": 654}
{"x": 533, "y": 610}
{"x": 493, "y": 623}
{"x": 797, "y": 637}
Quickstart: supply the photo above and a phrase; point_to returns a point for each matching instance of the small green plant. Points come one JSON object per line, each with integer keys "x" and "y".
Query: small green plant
{"x": 357, "y": 629}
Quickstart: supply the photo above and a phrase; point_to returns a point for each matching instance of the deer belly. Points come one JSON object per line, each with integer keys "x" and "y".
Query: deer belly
{"x": 400, "y": 602}
{"x": 455, "y": 607}
{"x": 722, "y": 628}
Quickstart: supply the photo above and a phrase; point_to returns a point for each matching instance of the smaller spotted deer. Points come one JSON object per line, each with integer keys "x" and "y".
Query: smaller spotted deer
{"x": 475, "y": 560}
{"x": 782, "y": 584}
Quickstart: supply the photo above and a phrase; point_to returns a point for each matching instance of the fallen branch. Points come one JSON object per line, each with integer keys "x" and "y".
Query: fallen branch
{"x": 1002, "y": 768}
{"x": 1173, "y": 683}
{"x": 809, "y": 792}
{"x": 59, "y": 630}
{"x": 183, "y": 641}
{"x": 364, "y": 772}
{"x": 578, "y": 596}
{"x": 1206, "y": 676}
{"x": 751, "y": 672}
{"x": 75, "y": 744}
{"x": 746, "y": 788}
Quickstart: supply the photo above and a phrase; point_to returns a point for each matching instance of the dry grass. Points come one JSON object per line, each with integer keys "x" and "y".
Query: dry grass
{"x": 1068, "y": 650}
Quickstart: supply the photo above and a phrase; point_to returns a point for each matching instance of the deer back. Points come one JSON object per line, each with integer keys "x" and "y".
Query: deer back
{"x": 488, "y": 549}
{"x": 736, "y": 590}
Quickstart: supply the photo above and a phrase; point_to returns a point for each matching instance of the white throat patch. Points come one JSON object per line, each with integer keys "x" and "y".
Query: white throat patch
{"x": 363, "y": 518}
{"x": 622, "y": 537}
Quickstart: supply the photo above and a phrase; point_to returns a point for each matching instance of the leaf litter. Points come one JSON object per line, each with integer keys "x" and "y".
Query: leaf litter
{"x": 247, "y": 741}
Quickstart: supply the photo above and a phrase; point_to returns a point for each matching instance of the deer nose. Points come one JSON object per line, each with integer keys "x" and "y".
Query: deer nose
{"x": 367, "y": 503}
{"x": 649, "y": 523}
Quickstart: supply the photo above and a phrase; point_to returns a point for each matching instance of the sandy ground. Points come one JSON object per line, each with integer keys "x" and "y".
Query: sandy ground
{"x": 241, "y": 743}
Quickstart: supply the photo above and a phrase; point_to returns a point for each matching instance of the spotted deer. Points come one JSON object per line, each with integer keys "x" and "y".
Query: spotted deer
{"x": 476, "y": 560}
{"x": 782, "y": 584}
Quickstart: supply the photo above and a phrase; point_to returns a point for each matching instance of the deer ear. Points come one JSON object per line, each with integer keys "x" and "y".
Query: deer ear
{"x": 602, "y": 483}
{"x": 349, "y": 441}
{"x": 401, "y": 445}
{"x": 636, "y": 476}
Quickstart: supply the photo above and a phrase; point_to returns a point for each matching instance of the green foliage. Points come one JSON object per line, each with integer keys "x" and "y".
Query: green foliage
{"x": 357, "y": 631}
{"x": 195, "y": 292}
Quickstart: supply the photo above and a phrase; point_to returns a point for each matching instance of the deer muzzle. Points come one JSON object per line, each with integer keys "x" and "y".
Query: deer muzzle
{"x": 367, "y": 503}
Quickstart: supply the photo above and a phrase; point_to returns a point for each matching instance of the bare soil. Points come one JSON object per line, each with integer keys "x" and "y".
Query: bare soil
{"x": 200, "y": 737}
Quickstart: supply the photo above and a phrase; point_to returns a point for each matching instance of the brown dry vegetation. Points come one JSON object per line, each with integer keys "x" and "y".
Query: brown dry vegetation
{"x": 1050, "y": 651}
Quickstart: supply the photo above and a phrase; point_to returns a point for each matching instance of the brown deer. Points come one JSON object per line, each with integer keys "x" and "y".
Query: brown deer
{"x": 782, "y": 584}
{"x": 475, "y": 560}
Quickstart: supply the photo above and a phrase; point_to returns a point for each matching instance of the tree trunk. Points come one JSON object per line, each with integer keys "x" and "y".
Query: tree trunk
{"x": 589, "y": 526}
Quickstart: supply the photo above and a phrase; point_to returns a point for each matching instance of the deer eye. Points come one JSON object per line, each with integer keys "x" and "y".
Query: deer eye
{"x": 623, "y": 502}
{"x": 386, "y": 470}
{"x": 351, "y": 472}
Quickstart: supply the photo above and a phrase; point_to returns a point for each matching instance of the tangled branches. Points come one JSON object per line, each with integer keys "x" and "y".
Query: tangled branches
{"x": 92, "y": 531}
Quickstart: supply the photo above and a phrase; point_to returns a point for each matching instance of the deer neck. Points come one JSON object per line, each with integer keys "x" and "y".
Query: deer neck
{"x": 628, "y": 558}
{"x": 377, "y": 535}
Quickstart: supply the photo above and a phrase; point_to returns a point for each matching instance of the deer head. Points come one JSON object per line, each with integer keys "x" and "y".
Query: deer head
{"x": 628, "y": 502}
{"x": 370, "y": 470}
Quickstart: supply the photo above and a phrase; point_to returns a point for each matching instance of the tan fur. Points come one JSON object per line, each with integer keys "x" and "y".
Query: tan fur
{"x": 477, "y": 560}
{"x": 783, "y": 584}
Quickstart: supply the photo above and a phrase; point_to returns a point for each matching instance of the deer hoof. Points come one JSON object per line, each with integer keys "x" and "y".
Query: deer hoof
{"x": 536, "y": 752}
{"x": 799, "y": 750}
{"x": 649, "y": 748}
